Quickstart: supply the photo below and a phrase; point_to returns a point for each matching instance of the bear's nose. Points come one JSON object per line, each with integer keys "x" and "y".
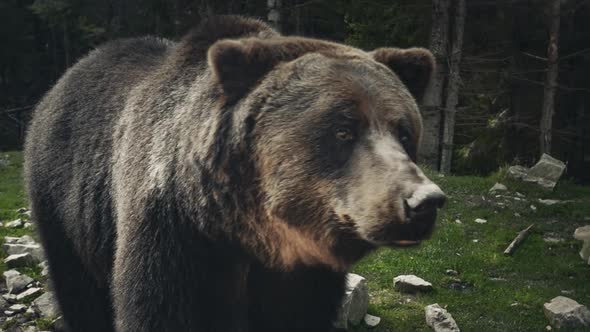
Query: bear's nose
{"x": 432, "y": 201}
{"x": 427, "y": 198}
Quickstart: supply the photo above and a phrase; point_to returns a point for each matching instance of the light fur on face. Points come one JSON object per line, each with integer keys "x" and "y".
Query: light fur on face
{"x": 385, "y": 177}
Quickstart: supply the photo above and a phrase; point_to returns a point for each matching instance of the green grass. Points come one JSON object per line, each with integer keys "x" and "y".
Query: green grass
{"x": 501, "y": 294}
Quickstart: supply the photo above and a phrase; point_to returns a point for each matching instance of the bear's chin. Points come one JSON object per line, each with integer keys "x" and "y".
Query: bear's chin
{"x": 405, "y": 243}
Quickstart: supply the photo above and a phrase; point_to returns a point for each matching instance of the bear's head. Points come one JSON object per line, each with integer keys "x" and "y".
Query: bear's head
{"x": 333, "y": 133}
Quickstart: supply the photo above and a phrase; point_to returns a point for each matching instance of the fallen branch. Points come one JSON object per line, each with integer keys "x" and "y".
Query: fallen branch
{"x": 517, "y": 240}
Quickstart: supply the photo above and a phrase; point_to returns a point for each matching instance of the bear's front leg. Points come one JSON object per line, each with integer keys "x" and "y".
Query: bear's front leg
{"x": 169, "y": 278}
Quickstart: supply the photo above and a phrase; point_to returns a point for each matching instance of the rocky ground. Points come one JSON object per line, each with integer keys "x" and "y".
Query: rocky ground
{"x": 27, "y": 303}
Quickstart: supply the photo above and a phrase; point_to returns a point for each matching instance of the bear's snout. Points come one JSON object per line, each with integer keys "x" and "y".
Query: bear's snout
{"x": 421, "y": 208}
{"x": 425, "y": 202}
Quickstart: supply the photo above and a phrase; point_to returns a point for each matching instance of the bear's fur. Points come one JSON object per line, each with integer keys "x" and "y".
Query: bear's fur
{"x": 225, "y": 182}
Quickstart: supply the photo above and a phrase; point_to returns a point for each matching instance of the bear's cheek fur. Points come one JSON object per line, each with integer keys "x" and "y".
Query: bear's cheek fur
{"x": 373, "y": 199}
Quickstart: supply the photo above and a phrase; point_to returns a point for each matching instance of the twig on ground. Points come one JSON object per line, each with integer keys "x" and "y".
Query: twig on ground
{"x": 517, "y": 240}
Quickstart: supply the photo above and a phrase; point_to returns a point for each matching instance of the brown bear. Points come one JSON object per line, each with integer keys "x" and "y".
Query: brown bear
{"x": 225, "y": 182}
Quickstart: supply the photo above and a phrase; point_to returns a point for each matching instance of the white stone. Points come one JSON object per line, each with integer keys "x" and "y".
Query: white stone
{"x": 20, "y": 260}
{"x": 3, "y": 304}
{"x": 15, "y": 224}
{"x": 583, "y": 234}
{"x": 546, "y": 172}
{"x": 18, "y": 283}
{"x": 552, "y": 239}
{"x": 564, "y": 312}
{"x": 10, "y": 298}
{"x": 439, "y": 319}
{"x": 498, "y": 187}
{"x": 371, "y": 321}
{"x": 355, "y": 303}
{"x": 31, "y": 329}
{"x": 44, "y": 265}
{"x": 534, "y": 208}
{"x": 549, "y": 202}
{"x": 18, "y": 308}
{"x": 451, "y": 272}
{"x": 517, "y": 172}
{"x": 480, "y": 221}
{"x": 10, "y": 273}
{"x": 46, "y": 305}
{"x": 410, "y": 284}
{"x": 29, "y": 292}
{"x": 16, "y": 249}
{"x": 10, "y": 239}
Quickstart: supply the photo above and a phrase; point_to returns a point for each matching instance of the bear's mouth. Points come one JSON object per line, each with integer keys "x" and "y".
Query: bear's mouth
{"x": 405, "y": 243}
{"x": 405, "y": 234}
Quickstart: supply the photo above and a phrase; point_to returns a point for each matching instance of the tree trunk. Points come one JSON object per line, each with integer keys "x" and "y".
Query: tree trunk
{"x": 274, "y": 13}
{"x": 453, "y": 87}
{"x": 551, "y": 79}
{"x": 433, "y": 97}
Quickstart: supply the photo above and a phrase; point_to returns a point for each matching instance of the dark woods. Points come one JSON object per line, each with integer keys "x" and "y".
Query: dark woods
{"x": 493, "y": 87}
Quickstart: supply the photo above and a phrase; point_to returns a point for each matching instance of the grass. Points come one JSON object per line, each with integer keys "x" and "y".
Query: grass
{"x": 492, "y": 292}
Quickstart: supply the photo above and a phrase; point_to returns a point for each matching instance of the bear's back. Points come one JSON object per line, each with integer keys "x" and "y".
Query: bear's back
{"x": 68, "y": 147}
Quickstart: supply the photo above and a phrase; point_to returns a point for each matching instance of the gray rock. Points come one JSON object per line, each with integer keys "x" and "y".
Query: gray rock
{"x": 517, "y": 172}
{"x": 46, "y": 305}
{"x": 34, "y": 249}
{"x": 31, "y": 329}
{"x": 439, "y": 319}
{"x": 58, "y": 324}
{"x": 25, "y": 239}
{"x": 371, "y": 321}
{"x": 10, "y": 273}
{"x": 549, "y": 202}
{"x": 564, "y": 312}
{"x": 17, "y": 308}
{"x": 3, "y": 304}
{"x": 583, "y": 234}
{"x": 29, "y": 292}
{"x": 498, "y": 187}
{"x": 552, "y": 239}
{"x": 20, "y": 260}
{"x": 18, "y": 283}
{"x": 28, "y": 225}
{"x": 18, "y": 223}
{"x": 411, "y": 284}
{"x": 451, "y": 272}
{"x": 355, "y": 303}
{"x": 546, "y": 172}
{"x": 44, "y": 265}
{"x": 10, "y": 298}
{"x": 11, "y": 239}
{"x": 22, "y": 210}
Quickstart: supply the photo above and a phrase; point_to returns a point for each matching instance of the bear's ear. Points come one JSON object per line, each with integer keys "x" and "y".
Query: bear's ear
{"x": 237, "y": 66}
{"x": 414, "y": 66}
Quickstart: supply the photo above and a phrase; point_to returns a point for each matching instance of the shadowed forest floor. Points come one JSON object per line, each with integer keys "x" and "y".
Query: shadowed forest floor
{"x": 491, "y": 292}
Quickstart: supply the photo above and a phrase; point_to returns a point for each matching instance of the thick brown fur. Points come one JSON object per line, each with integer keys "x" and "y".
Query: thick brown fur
{"x": 186, "y": 186}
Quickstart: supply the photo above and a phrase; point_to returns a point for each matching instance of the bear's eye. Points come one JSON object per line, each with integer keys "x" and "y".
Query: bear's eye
{"x": 344, "y": 134}
{"x": 405, "y": 139}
